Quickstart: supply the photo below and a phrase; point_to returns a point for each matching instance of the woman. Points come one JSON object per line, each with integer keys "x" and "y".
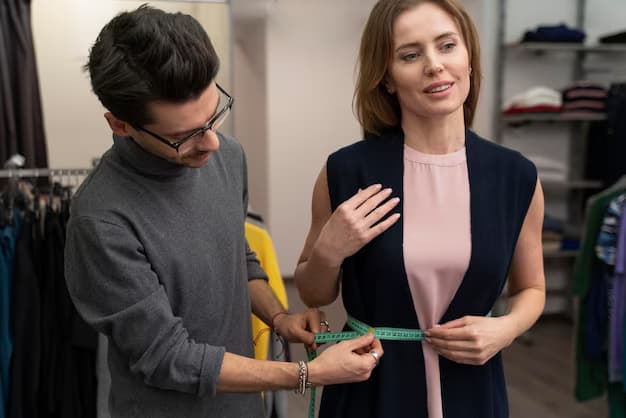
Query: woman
{"x": 423, "y": 221}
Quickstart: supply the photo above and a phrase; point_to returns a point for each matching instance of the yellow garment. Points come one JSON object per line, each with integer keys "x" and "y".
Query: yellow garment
{"x": 261, "y": 243}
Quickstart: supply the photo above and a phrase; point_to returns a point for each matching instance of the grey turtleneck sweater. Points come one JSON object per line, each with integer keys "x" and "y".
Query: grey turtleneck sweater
{"x": 156, "y": 259}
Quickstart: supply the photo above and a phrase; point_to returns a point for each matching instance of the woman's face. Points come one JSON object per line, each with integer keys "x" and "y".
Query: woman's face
{"x": 429, "y": 70}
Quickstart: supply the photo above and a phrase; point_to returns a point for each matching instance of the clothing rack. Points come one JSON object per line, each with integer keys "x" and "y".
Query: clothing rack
{"x": 44, "y": 172}
{"x": 71, "y": 177}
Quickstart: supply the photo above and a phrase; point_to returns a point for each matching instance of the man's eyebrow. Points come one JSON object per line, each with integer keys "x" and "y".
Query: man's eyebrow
{"x": 188, "y": 131}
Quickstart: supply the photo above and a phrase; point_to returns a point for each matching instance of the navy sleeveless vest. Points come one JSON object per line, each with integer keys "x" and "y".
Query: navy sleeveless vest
{"x": 375, "y": 288}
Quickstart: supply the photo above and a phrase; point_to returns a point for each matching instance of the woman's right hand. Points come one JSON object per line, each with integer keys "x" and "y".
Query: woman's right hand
{"x": 355, "y": 223}
{"x": 343, "y": 363}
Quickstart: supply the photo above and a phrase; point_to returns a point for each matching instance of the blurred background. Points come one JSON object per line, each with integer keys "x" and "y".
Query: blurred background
{"x": 552, "y": 89}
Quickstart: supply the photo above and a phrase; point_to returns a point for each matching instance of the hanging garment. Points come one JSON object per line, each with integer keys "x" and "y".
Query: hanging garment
{"x": 25, "y": 324}
{"x": 24, "y": 104}
{"x": 620, "y": 275}
{"x": 606, "y": 147}
{"x": 7, "y": 253}
{"x": 261, "y": 243}
{"x": 606, "y": 251}
{"x": 591, "y": 374}
{"x": 375, "y": 288}
{"x": 617, "y": 401}
{"x": 8, "y": 130}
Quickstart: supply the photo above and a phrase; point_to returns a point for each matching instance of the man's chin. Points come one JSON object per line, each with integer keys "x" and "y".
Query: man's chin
{"x": 196, "y": 160}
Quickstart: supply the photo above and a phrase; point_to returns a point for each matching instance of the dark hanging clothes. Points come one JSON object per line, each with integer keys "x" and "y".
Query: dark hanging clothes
{"x": 606, "y": 141}
{"x": 25, "y": 325}
{"x": 596, "y": 304}
{"x": 8, "y": 131}
{"x": 47, "y": 352}
{"x": 7, "y": 252}
{"x": 21, "y": 127}
{"x": 69, "y": 376}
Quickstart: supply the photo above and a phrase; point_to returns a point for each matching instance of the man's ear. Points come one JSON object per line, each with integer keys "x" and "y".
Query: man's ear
{"x": 118, "y": 126}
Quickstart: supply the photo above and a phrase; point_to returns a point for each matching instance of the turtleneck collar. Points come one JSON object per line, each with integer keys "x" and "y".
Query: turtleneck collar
{"x": 145, "y": 162}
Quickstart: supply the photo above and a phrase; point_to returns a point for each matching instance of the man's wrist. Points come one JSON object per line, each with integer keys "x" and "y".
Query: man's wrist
{"x": 303, "y": 378}
{"x": 313, "y": 375}
{"x": 272, "y": 323}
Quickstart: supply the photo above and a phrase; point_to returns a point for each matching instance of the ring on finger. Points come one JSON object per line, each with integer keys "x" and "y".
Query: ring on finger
{"x": 325, "y": 323}
{"x": 375, "y": 355}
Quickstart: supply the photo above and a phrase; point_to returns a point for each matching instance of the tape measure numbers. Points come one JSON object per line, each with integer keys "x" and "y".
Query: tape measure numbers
{"x": 360, "y": 328}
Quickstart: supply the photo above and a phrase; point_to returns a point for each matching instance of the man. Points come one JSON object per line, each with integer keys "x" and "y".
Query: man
{"x": 156, "y": 257}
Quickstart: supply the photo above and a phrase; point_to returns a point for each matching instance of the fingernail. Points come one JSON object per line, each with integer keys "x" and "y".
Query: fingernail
{"x": 395, "y": 199}
{"x": 437, "y": 326}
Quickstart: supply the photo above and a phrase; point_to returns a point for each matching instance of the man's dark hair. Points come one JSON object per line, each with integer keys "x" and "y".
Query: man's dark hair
{"x": 148, "y": 55}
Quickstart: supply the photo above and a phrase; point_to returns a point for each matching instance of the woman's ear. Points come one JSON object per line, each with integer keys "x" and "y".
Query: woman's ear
{"x": 389, "y": 86}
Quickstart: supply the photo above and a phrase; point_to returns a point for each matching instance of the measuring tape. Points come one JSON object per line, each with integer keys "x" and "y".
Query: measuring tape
{"x": 360, "y": 328}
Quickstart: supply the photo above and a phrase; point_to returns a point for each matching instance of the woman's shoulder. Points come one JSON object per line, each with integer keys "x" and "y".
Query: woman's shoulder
{"x": 489, "y": 152}
{"x": 371, "y": 145}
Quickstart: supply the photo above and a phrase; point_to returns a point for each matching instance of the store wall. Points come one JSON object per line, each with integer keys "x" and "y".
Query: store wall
{"x": 63, "y": 31}
{"x": 250, "y": 110}
{"x": 311, "y": 54}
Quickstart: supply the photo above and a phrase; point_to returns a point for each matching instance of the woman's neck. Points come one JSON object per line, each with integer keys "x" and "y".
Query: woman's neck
{"x": 435, "y": 135}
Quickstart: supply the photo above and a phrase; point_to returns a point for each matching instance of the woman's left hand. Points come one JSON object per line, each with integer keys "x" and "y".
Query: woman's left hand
{"x": 471, "y": 339}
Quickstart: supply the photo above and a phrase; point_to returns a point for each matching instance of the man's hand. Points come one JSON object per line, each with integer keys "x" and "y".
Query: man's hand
{"x": 301, "y": 327}
{"x": 342, "y": 363}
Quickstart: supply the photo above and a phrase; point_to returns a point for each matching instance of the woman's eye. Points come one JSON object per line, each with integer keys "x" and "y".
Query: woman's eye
{"x": 448, "y": 46}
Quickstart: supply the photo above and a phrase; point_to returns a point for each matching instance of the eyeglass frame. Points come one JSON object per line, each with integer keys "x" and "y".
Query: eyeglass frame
{"x": 199, "y": 132}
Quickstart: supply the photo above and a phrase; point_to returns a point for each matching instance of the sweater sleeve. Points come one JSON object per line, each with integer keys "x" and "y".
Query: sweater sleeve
{"x": 252, "y": 262}
{"x": 116, "y": 291}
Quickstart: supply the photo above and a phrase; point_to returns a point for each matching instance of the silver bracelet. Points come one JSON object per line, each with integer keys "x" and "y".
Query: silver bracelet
{"x": 303, "y": 378}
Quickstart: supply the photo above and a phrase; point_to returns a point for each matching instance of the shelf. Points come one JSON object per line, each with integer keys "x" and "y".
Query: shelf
{"x": 560, "y": 254}
{"x": 550, "y": 117}
{"x": 571, "y": 184}
{"x": 564, "y": 46}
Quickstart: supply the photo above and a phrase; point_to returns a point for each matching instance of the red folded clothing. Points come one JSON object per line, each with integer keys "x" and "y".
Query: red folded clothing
{"x": 514, "y": 110}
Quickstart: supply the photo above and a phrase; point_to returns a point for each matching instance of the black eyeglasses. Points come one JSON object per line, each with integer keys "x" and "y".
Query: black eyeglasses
{"x": 213, "y": 124}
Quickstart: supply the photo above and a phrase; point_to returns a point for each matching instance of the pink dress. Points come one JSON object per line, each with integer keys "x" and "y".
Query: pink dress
{"x": 437, "y": 243}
